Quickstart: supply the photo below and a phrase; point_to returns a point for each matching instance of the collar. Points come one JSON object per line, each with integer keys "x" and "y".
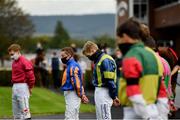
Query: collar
{"x": 70, "y": 61}
{"x": 139, "y": 44}
{"x": 99, "y": 57}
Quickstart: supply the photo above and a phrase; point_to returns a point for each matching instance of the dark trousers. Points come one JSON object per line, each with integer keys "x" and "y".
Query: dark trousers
{"x": 56, "y": 78}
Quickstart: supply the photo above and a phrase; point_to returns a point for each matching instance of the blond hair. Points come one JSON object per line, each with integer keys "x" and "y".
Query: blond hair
{"x": 88, "y": 47}
{"x": 14, "y": 47}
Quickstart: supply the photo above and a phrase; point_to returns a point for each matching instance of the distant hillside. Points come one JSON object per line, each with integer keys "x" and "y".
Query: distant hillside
{"x": 85, "y": 26}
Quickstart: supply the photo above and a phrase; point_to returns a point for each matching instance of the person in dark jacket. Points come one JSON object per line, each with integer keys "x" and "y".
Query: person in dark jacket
{"x": 55, "y": 70}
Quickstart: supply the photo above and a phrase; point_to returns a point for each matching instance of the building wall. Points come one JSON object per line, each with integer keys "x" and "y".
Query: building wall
{"x": 167, "y": 16}
{"x": 122, "y": 11}
{"x": 164, "y": 21}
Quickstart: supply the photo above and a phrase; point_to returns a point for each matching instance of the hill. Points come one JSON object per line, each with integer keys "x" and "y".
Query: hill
{"x": 83, "y": 26}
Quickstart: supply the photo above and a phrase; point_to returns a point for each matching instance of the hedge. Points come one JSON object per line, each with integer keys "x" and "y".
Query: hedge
{"x": 5, "y": 78}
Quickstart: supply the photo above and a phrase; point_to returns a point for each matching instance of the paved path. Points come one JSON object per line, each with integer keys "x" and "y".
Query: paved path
{"x": 116, "y": 114}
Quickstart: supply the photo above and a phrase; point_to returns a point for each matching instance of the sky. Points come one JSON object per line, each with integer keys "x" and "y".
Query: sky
{"x": 67, "y": 7}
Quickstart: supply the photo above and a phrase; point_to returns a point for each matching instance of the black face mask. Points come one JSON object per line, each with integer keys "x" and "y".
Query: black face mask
{"x": 64, "y": 60}
{"x": 124, "y": 47}
{"x": 90, "y": 57}
{"x": 94, "y": 56}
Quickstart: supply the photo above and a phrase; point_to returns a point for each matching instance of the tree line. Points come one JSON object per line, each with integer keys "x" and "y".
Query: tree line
{"x": 17, "y": 27}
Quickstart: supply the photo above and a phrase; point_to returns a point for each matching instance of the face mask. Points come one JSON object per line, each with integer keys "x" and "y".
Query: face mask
{"x": 95, "y": 55}
{"x": 90, "y": 57}
{"x": 64, "y": 60}
{"x": 15, "y": 56}
{"x": 124, "y": 47}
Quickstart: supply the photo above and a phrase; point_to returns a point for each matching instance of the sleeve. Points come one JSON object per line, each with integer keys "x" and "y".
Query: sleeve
{"x": 29, "y": 73}
{"x": 108, "y": 67}
{"x": 166, "y": 78}
{"x": 76, "y": 80}
{"x": 162, "y": 90}
{"x": 132, "y": 70}
{"x": 162, "y": 101}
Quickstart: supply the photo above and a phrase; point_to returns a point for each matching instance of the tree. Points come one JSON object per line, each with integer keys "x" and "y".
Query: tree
{"x": 105, "y": 40}
{"x": 14, "y": 24}
{"x": 61, "y": 36}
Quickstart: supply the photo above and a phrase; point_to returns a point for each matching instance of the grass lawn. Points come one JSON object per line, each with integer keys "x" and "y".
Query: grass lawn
{"x": 42, "y": 101}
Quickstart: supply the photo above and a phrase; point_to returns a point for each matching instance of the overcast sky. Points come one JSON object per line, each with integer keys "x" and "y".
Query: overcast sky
{"x": 67, "y": 7}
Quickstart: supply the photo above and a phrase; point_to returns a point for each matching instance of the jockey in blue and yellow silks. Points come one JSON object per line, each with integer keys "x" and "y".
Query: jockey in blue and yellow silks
{"x": 72, "y": 84}
{"x": 104, "y": 74}
{"x": 104, "y": 80}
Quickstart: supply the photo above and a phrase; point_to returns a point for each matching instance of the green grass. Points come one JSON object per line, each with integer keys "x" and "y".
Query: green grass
{"x": 42, "y": 101}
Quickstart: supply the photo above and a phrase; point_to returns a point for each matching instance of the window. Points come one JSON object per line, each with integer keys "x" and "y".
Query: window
{"x": 140, "y": 10}
{"x": 165, "y": 43}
